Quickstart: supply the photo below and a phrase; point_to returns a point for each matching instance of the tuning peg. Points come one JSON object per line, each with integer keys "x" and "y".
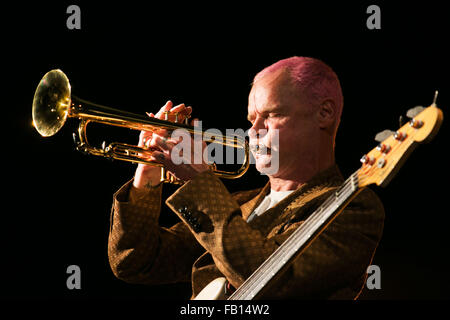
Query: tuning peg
{"x": 383, "y": 135}
{"x": 435, "y": 97}
{"x": 414, "y": 111}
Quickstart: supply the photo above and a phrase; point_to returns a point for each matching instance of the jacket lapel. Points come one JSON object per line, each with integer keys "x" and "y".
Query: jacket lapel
{"x": 248, "y": 207}
{"x": 293, "y": 205}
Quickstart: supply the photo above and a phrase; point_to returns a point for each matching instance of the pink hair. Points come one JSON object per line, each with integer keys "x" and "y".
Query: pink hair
{"x": 315, "y": 79}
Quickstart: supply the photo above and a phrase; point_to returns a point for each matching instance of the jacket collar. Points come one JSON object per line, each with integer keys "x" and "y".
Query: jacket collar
{"x": 320, "y": 183}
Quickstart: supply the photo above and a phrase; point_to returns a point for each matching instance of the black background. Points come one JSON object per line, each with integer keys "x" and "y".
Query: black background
{"x": 56, "y": 201}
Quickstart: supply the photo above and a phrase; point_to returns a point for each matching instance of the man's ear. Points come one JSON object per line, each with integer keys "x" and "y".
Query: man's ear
{"x": 327, "y": 115}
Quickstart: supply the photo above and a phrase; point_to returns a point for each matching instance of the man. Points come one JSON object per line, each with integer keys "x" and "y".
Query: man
{"x": 223, "y": 235}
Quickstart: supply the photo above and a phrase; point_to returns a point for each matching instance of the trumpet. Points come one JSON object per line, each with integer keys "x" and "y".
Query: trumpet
{"x": 53, "y": 103}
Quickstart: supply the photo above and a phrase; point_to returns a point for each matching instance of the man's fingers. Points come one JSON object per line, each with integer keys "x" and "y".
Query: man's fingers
{"x": 185, "y": 113}
{"x": 144, "y": 138}
{"x": 163, "y": 159}
{"x": 178, "y": 108}
{"x": 165, "y": 108}
{"x": 159, "y": 157}
{"x": 147, "y": 138}
{"x": 181, "y": 110}
{"x": 168, "y": 105}
{"x": 166, "y": 161}
{"x": 162, "y": 143}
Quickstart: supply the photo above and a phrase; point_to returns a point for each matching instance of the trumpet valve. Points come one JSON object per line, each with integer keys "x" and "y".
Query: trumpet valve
{"x": 186, "y": 119}
{"x": 175, "y": 116}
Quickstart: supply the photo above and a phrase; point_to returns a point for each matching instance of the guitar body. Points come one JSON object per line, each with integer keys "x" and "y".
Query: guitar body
{"x": 215, "y": 290}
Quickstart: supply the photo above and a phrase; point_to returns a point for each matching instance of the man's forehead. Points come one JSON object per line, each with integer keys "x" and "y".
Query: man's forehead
{"x": 277, "y": 78}
{"x": 270, "y": 91}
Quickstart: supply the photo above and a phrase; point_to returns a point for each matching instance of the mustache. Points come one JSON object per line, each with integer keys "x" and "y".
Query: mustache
{"x": 257, "y": 148}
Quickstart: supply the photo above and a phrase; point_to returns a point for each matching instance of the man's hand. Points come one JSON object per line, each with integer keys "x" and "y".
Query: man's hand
{"x": 148, "y": 175}
{"x": 192, "y": 163}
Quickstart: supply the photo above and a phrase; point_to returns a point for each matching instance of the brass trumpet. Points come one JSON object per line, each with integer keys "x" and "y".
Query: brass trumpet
{"x": 53, "y": 103}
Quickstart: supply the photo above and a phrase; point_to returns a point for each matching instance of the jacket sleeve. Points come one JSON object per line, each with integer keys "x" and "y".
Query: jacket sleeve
{"x": 214, "y": 218}
{"x": 332, "y": 261}
{"x": 139, "y": 250}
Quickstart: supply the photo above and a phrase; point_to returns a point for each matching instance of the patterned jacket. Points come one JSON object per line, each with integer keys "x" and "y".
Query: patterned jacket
{"x": 214, "y": 240}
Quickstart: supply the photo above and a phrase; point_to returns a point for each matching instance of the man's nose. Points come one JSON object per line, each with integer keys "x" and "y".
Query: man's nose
{"x": 258, "y": 129}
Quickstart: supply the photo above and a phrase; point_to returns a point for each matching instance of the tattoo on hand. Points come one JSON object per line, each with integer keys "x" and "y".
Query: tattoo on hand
{"x": 160, "y": 157}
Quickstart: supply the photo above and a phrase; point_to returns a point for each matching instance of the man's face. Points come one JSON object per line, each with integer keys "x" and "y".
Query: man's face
{"x": 276, "y": 108}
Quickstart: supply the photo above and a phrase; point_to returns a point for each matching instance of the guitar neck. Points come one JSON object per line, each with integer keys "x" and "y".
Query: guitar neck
{"x": 298, "y": 241}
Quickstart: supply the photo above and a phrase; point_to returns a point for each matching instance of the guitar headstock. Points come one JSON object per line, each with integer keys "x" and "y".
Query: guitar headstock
{"x": 382, "y": 163}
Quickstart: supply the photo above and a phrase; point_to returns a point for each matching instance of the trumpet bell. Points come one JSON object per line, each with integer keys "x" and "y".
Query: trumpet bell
{"x": 51, "y": 103}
